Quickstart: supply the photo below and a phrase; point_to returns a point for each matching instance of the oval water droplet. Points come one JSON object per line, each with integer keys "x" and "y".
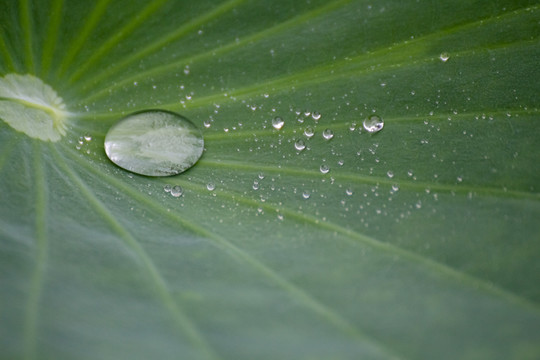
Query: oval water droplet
{"x": 309, "y": 132}
{"x": 210, "y": 186}
{"x": 176, "y": 191}
{"x": 278, "y": 123}
{"x": 390, "y": 174}
{"x": 373, "y": 124}
{"x": 167, "y": 188}
{"x": 88, "y": 137}
{"x": 306, "y": 194}
{"x": 324, "y": 168}
{"x": 299, "y": 145}
{"x": 316, "y": 115}
{"x": 328, "y": 134}
{"x": 154, "y": 143}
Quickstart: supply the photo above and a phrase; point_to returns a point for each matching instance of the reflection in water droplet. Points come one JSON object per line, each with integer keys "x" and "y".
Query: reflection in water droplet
{"x": 154, "y": 143}
{"x": 176, "y": 191}
{"x": 299, "y": 145}
{"x": 324, "y": 168}
{"x": 373, "y": 124}
{"x": 328, "y": 134}
{"x": 167, "y": 188}
{"x": 444, "y": 57}
{"x": 278, "y": 123}
{"x": 309, "y": 132}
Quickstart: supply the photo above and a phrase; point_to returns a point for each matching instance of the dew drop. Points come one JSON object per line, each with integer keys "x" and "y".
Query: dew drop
{"x": 324, "y": 168}
{"x": 167, "y": 188}
{"x": 176, "y": 191}
{"x": 309, "y": 132}
{"x": 278, "y": 123}
{"x": 210, "y": 186}
{"x": 154, "y": 143}
{"x": 207, "y": 124}
{"x": 349, "y": 192}
{"x": 390, "y": 174}
{"x": 299, "y": 145}
{"x": 328, "y": 134}
{"x": 87, "y": 137}
{"x": 316, "y": 115}
{"x": 373, "y": 124}
{"x": 306, "y": 194}
{"x": 444, "y": 57}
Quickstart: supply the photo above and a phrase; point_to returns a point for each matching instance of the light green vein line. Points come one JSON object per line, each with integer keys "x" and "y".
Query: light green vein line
{"x": 428, "y": 263}
{"x": 320, "y": 74}
{"x": 180, "y": 318}
{"x": 223, "y": 49}
{"x": 80, "y": 40}
{"x": 117, "y": 37}
{"x": 159, "y": 43}
{"x": 296, "y": 130}
{"x": 295, "y": 292}
{"x": 382, "y": 53}
{"x": 357, "y": 178}
{"x": 41, "y": 247}
{"x": 5, "y": 52}
{"x": 51, "y": 36}
{"x": 26, "y": 25}
{"x": 6, "y": 151}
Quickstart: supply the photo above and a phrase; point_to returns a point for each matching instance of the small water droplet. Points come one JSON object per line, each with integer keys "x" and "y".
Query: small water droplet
{"x": 395, "y": 187}
{"x": 349, "y": 192}
{"x": 306, "y": 194}
{"x": 278, "y": 123}
{"x": 307, "y": 112}
{"x": 390, "y": 174}
{"x": 324, "y": 168}
{"x": 328, "y": 134}
{"x": 210, "y": 186}
{"x": 261, "y": 176}
{"x": 167, "y": 188}
{"x": 176, "y": 191}
{"x": 444, "y": 57}
{"x": 309, "y": 132}
{"x": 299, "y": 145}
{"x": 255, "y": 185}
{"x": 316, "y": 115}
{"x": 154, "y": 143}
{"x": 87, "y": 137}
{"x": 207, "y": 123}
{"x": 373, "y": 124}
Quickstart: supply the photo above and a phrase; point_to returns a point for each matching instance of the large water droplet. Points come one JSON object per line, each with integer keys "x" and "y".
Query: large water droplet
{"x": 278, "y": 123}
{"x": 154, "y": 143}
{"x": 373, "y": 124}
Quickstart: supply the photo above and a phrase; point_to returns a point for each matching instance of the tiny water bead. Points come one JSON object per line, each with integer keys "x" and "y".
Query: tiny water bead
{"x": 316, "y": 115}
{"x": 299, "y": 145}
{"x": 373, "y": 124}
{"x": 278, "y": 123}
{"x": 324, "y": 169}
{"x": 154, "y": 143}
{"x": 167, "y": 188}
{"x": 177, "y": 191}
{"x": 309, "y": 132}
{"x": 444, "y": 57}
{"x": 328, "y": 134}
{"x": 210, "y": 186}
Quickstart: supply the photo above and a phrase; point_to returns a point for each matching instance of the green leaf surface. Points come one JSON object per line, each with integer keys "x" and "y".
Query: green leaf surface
{"x": 421, "y": 242}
